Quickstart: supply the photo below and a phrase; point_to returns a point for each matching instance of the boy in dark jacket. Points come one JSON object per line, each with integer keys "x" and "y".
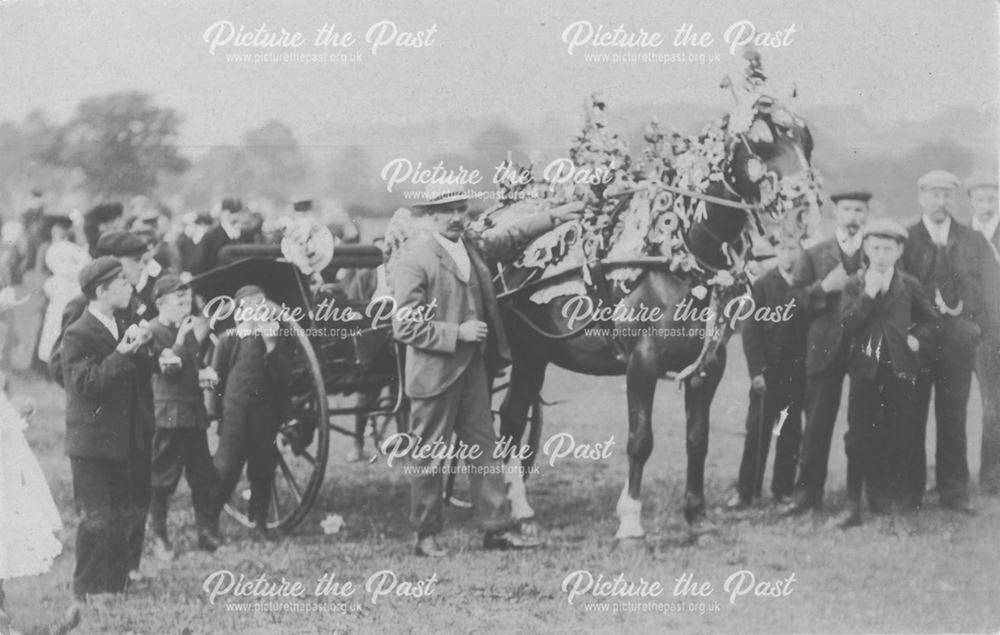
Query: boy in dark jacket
{"x": 775, "y": 353}
{"x": 888, "y": 319}
{"x": 109, "y": 421}
{"x": 252, "y": 363}
{"x": 180, "y": 443}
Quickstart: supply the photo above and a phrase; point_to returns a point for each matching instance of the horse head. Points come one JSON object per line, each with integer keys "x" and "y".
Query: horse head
{"x": 764, "y": 166}
{"x": 769, "y": 161}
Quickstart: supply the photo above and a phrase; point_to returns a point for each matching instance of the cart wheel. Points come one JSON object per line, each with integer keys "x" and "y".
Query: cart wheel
{"x": 302, "y": 444}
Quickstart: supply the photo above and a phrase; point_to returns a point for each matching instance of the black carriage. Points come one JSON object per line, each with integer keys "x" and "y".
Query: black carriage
{"x": 334, "y": 361}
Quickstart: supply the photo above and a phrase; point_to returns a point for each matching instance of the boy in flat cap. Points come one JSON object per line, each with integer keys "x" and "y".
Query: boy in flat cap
{"x": 982, "y": 191}
{"x": 107, "y": 430}
{"x": 820, "y": 276}
{"x": 888, "y": 320}
{"x": 951, "y": 261}
{"x": 180, "y": 443}
{"x": 131, "y": 252}
{"x": 775, "y": 353}
{"x": 251, "y": 363}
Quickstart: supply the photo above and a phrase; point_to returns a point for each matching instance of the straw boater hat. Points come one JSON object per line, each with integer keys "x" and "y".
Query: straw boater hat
{"x": 440, "y": 194}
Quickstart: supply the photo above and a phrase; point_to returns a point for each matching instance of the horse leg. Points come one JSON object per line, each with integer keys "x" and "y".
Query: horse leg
{"x": 697, "y": 402}
{"x": 641, "y": 376}
{"x": 526, "y": 378}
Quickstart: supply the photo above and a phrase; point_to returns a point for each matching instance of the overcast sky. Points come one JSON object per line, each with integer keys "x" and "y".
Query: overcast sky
{"x": 897, "y": 60}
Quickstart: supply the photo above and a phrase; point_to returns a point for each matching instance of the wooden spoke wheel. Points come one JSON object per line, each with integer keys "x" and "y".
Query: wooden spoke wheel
{"x": 301, "y": 446}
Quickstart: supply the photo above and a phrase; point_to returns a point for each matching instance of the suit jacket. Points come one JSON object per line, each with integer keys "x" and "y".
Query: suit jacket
{"x": 177, "y": 394}
{"x": 991, "y": 295}
{"x": 211, "y": 243}
{"x": 425, "y": 272}
{"x": 879, "y": 326}
{"x": 75, "y": 308}
{"x": 247, "y": 382}
{"x": 822, "y": 309}
{"x": 107, "y": 410}
{"x": 189, "y": 254}
{"x": 775, "y": 348}
{"x": 972, "y": 264}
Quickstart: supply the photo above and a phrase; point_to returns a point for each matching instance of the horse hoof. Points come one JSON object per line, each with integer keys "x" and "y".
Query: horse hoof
{"x": 630, "y": 545}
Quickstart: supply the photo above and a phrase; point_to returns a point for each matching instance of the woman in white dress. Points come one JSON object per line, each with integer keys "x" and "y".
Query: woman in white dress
{"x": 64, "y": 258}
{"x": 28, "y": 544}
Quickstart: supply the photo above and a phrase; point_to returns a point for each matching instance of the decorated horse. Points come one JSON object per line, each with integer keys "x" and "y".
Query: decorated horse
{"x": 624, "y": 291}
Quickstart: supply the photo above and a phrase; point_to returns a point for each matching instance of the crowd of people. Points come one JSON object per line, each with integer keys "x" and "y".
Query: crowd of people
{"x": 905, "y": 312}
{"x": 128, "y": 346}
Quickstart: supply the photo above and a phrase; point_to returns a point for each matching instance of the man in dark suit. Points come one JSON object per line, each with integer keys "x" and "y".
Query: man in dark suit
{"x": 451, "y": 354}
{"x": 951, "y": 261}
{"x": 775, "y": 353}
{"x": 820, "y": 276}
{"x": 982, "y": 190}
{"x": 888, "y": 321}
{"x": 230, "y": 230}
{"x": 108, "y": 427}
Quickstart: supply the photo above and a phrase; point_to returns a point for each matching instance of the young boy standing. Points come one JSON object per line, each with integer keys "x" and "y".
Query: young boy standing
{"x": 888, "y": 319}
{"x": 252, "y": 365}
{"x": 180, "y": 443}
{"x": 775, "y": 353}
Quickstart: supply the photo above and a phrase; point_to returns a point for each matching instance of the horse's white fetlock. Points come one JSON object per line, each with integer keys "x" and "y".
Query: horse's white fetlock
{"x": 629, "y": 516}
{"x": 517, "y": 493}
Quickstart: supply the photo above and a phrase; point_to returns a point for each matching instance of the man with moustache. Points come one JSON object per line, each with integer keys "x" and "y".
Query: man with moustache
{"x": 952, "y": 262}
{"x": 820, "y": 276}
{"x": 451, "y": 355}
{"x": 982, "y": 191}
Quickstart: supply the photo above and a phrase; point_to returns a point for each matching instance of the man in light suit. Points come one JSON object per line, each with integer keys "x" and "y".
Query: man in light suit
{"x": 820, "y": 276}
{"x": 453, "y": 348}
{"x": 982, "y": 190}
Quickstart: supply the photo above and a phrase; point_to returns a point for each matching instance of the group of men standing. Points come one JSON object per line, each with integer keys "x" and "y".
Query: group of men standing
{"x": 907, "y": 313}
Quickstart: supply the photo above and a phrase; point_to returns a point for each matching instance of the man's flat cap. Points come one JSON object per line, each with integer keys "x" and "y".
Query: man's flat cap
{"x": 97, "y": 271}
{"x": 120, "y": 244}
{"x": 852, "y": 195}
{"x": 938, "y": 179}
{"x": 167, "y": 285}
{"x": 981, "y": 179}
{"x": 885, "y": 228}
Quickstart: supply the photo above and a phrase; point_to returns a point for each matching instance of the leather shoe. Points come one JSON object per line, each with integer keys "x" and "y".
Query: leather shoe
{"x": 70, "y": 619}
{"x": 797, "y": 508}
{"x": 429, "y": 547}
{"x": 509, "y": 540}
{"x": 736, "y": 502}
{"x": 962, "y": 507}
{"x": 850, "y": 518}
{"x": 207, "y": 541}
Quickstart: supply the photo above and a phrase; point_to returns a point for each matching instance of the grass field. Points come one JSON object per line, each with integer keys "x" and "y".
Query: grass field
{"x": 926, "y": 572}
